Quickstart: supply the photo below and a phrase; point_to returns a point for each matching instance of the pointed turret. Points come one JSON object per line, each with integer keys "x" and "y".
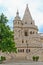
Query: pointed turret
{"x": 27, "y": 19}
{"x": 17, "y": 16}
{"x": 27, "y": 16}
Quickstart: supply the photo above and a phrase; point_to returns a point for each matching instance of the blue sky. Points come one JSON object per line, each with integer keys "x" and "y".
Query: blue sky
{"x": 9, "y": 8}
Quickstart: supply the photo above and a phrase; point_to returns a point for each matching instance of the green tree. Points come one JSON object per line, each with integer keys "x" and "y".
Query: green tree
{"x": 33, "y": 58}
{"x": 37, "y": 58}
{"x": 7, "y": 43}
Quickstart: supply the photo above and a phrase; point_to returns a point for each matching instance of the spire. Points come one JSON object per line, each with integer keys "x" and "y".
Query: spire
{"x": 17, "y": 16}
{"x": 27, "y": 6}
{"x": 27, "y": 16}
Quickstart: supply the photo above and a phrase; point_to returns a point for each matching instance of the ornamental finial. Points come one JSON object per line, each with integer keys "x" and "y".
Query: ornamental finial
{"x": 27, "y": 5}
{"x": 17, "y": 13}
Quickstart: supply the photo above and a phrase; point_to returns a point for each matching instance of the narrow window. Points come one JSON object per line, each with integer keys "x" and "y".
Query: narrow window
{"x": 22, "y": 41}
{"x": 33, "y": 32}
{"x": 29, "y": 50}
{"x": 23, "y": 50}
{"x": 26, "y": 34}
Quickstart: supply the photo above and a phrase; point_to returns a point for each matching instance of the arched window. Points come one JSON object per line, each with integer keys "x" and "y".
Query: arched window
{"x": 23, "y": 50}
{"x": 30, "y": 32}
{"x": 33, "y": 32}
{"x": 27, "y": 50}
{"x": 26, "y": 33}
{"x": 20, "y": 50}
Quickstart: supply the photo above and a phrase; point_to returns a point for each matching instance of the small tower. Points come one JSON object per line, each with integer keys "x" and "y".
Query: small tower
{"x": 17, "y": 30}
{"x": 16, "y": 20}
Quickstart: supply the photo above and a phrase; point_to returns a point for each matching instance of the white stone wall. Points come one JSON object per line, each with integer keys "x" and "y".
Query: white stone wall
{"x": 33, "y": 39}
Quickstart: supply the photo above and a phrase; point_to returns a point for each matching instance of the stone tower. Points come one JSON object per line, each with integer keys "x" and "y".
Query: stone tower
{"x": 26, "y": 36}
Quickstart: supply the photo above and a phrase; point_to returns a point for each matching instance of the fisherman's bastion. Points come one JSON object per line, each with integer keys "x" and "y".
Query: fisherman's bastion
{"x": 28, "y": 41}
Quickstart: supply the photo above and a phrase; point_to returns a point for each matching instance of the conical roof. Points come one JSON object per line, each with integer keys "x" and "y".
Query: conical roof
{"x": 27, "y": 19}
{"x": 27, "y": 16}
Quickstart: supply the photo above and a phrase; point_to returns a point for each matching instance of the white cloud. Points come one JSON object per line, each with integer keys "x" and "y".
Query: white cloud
{"x": 0, "y": 1}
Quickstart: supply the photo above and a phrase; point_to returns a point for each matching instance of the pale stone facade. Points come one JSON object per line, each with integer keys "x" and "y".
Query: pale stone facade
{"x": 29, "y": 42}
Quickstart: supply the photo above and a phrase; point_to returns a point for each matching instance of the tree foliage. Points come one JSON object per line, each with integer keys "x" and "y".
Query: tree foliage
{"x": 7, "y": 43}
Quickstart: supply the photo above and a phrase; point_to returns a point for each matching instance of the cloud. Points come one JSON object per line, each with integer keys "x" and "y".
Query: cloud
{"x": 1, "y": 1}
